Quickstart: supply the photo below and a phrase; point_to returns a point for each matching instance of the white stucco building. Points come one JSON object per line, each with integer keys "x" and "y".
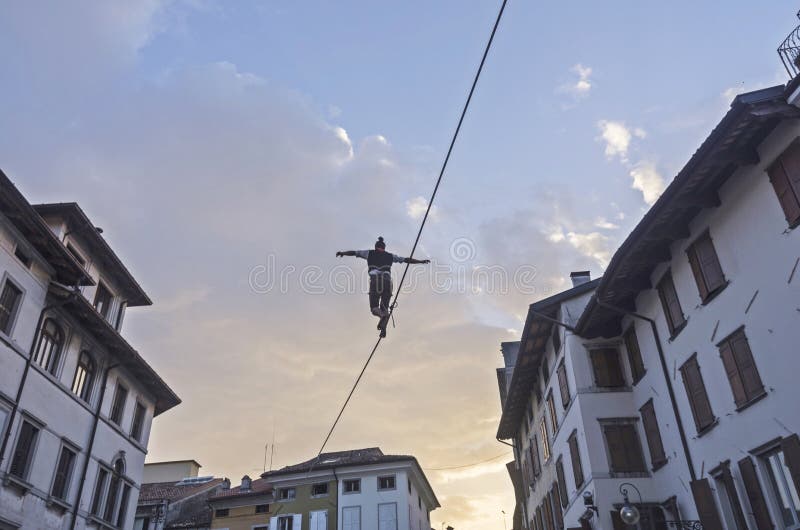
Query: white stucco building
{"x": 676, "y": 371}
{"x": 76, "y": 400}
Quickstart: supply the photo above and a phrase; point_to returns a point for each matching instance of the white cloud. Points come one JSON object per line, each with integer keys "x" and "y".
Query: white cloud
{"x": 580, "y": 87}
{"x": 594, "y": 245}
{"x": 415, "y": 208}
{"x": 648, "y": 180}
{"x": 617, "y": 138}
{"x": 605, "y": 224}
{"x": 341, "y": 134}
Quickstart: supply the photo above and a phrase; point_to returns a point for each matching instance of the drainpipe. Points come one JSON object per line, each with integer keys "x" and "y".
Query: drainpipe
{"x": 661, "y": 357}
{"x": 90, "y": 447}
{"x": 28, "y": 362}
{"x": 336, "y": 505}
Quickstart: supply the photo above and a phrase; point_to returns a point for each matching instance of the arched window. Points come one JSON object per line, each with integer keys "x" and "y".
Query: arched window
{"x": 114, "y": 486}
{"x": 84, "y": 377}
{"x": 48, "y": 349}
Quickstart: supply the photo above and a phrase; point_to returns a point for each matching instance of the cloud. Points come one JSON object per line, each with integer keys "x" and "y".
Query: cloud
{"x": 594, "y": 245}
{"x": 647, "y": 180}
{"x": 617, "y": 137}
{"x": 605, "y": 224}
{"x": 415, "y": 208}
{"x": 578, "y": 88}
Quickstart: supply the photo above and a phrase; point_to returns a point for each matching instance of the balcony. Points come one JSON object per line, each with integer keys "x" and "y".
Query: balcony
{"x": 789, "y": 51}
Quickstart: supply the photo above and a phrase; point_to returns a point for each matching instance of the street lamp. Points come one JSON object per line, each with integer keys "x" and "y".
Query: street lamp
{"x": 629, "y": 513}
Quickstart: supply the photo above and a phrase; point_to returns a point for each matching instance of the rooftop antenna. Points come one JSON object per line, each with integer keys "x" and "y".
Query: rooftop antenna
{"x": 265, "y": 458}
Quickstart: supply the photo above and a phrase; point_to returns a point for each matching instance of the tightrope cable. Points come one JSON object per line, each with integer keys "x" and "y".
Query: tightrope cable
{"x": 421, "y": 227}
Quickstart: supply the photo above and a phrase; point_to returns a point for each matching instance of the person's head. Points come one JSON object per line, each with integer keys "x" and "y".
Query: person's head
{"x": 379, "y": 244}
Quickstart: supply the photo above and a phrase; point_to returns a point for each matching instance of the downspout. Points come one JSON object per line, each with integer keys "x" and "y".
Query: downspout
{"x": 336, "y": 477}
{"x": 90, "y": 446}
{"x": 26, "y": 370}
{"x": 662, "y": 358}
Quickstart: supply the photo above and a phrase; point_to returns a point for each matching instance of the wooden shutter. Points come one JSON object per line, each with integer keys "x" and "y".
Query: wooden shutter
{"x": 653, "y": 434}
{"x": 555, "y": 496}
{"x": 607, "y": 368}
{"x": 539, "y": 518}
{"x": 706, "y": 507}
{"x": 670, "y": 303}
{"x": 616, "y": 521}
{"x": 634, "y": 355}
{"x": 784, "y": 175}
{"x": 697, "y": 271}
{"x": 63, "y": 472}
{"x": 709, "y": 263}
{"x": 575, "y": 455}
{"x": 624, "y": 448}
{"x": 733, "y": 498}
{"x": 562, "y": 483}
{"x": 791, "y": 454}
{"x": 754, "y": 494}
{"x": 696, "y": 392}
{"x": 751, "y": 380}
{"x": 732, "y": 371}
{"x": 563, "y": 385}
{"x": 537, "y": 465}
{"x": 547, "y": 513}
{"x": 556, "y": 339}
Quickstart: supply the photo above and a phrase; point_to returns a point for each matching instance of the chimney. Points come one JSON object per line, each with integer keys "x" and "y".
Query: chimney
{"x": 580, "y": 277}
{"x": 246, "y": 482}
{"x": 226, "y": 484}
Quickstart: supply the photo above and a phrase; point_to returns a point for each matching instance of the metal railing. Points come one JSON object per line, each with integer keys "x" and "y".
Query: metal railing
{"x": 684, "y": 525}
{"x": 789, "y": 51}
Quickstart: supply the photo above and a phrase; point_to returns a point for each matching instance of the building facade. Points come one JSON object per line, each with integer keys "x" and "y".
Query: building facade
{"x": 346, "y": 490}
{"x": 672, "y": 376}
{"x": 248, "y": 506}
{"x": 76, "y": 400}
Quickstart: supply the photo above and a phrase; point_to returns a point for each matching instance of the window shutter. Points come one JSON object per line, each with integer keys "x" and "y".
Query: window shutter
{"x": 297, "y": 520}
{"x": 539, "y": 518}
{"x": 755, "y": 494}
{"x": 733, "y": 498}
{"x": 273, "y": 523}
{"x": 653, "y": 434}
{"x": 783, "y": 175}
{"x": 607, "y": 369}
{"x": 577, "y": 469}
{"x": 696, "y": 392}
{"x": 697, "y": 271}
{"x": 751, "y": 380}
{"x": 671, "y": 304}
{"x": 555, "y": 495}
{"x": 634, "y": 355}
{"x": 535, "y": 457}
{"x": 616, "y": 448}
{"x": 562, "y": 483}
{"x": 563, "y": 385}
{"x": 709, "y": 263}
{"x": 616, "y": 521}
{"x": 791, "y": 454}
{"x": 732, "y": 371}
{"x": 706, "y": 507}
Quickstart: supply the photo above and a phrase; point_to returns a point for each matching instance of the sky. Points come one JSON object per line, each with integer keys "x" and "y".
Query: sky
{"x": 229, "y": 149}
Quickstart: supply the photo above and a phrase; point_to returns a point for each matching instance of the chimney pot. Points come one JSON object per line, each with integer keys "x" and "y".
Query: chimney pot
{"x": 580, "y": 277}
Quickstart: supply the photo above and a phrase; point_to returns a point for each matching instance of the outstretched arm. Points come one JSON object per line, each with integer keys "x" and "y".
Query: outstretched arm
{"x": 345, "y": 253}
{"x": 416, "y": 261}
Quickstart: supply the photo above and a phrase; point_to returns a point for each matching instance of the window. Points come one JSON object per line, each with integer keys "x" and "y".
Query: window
{"x": 118, "y": 405}
{"x": 419, "y": 502}
{"x": 755, "y": 494}
{"x": 562, "y": 483}
{"x": 386, "y": 483}
{"x": 555, "y": 501}
{"x": 651, "y": 431}
{"x": 556, "y": 339}
{"x": 545, "y": 440}
{"x": 138, "y": 422}
{"x": 23, "y": 257}
{"x": 77, "y": 255}
{"x": 741, "y": 369}
{"x": 705, "y": 267}
{"x": 563, "y": 385}
{"x": 222, "y": 512}
{"x": 113, "y": 495}
{"x": 624, "y": 450}
{"x": 286, "y": 522}
{"x": 351, "y": 518}
{"x": 551, "y": 412}
{"x": 84, "y": 377}
{"x": 387, "y": 516}
{"x": 264, "y": 508}
{"x": 123, "y": 505}
{"x": 9, "y": 304}
{"x": 729, "y": 498}
{"x": 696, "y": 393}
{"x": 785, "y": 177}
{"x": 534, "y": 450}
{"x": 408, "y": 482}
{"x": 120, "y": 315}
{"x": 545, "y": 370}
{"x": 671, "y": 305}
{"x": 99, "y": 489}
{"x": 48, "y": 349}
{"x": 607, "y": 368}
{"x": 66, "y": 463}
{"x": 23, "y": 452}
{"x": 319, "y": 489}
{"x": 575, "y": 455}
{"x": 782, "y": 487}
{"x": 634, "y": 355}
{"x": 102, "y": 300}
{"x": 286, "y": 494}
{"x": 352, "y": 485}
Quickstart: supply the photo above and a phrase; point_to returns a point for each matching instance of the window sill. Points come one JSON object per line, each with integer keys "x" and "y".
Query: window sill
{"x": 713, "y": 294}
{"x": 100, "y": 523}
{"x": 58, "y": 505}
{"x": 18, "y": 484}
{"x": 629, "y": 474}
{"x": 636, "y": 381}
{"x": 752, "y": 401}
{"x": 677, "y": 330}
{"x": 704, "y": 430}
{"x": 658, "y": 465}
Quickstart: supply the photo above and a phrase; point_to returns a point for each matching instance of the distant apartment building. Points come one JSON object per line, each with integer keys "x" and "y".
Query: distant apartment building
{"x": 248, "y": 506}
{"x": 674, "y": 376}
{"x": 76, "y": 399}
{"x": 361, "y": 489}
{"x": 173, "y": 496}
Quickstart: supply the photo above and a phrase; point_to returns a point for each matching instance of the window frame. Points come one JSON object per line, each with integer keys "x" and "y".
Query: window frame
{"x": 656, "y": 442}
{"x": 605, "y": 349}
{"x": 634, "y": 354}
{"x": 14, "y": 313}
{"x": 113, "y": 412}
{"x": 102, "y": 288}
{"x": 345, "y": 483}
{"x": 87, "y": 385}
{"x": 261, "y": 508}
{"x": 31, "y": 453}
{"x": 222, "y": 512}
{"x": 563, "y": 384}
{"x": 735, "y": 360}
{"x": 779, "y": 176}
{"x": 667, "y": 280}
{"x": 575, "y": 459}
{"x": 291, "y": 494}
{"x": 625, "y": 426}
{"x": 71, "y": 448}
{"x": 393, "y": 479}
{"x": 706, "y": 286}
{"x": 52, "y": 361}
{"x": 317, "y": 484}
{"x": 545, "y": 440}
{"x": 702, "y": 428}
{"x": 551, "y": 412}
{"x": 138, "y": 426}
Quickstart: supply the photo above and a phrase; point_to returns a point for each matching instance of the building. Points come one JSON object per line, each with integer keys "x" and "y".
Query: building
{"x": 346, "y": 490}
{"x": 76, "y": 400}
{"x": 172, "y": 496}
{"x": 248, "y": 506}
{"x": 673, "y": 377}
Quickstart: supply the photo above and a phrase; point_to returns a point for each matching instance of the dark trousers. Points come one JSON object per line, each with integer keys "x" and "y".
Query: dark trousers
{"x": 380, "y": 290}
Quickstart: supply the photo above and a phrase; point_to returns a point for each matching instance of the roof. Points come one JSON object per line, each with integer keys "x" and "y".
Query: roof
{"x": 340, "y": 459}
{"x": 125, "y": 354}
{"x": 187, "y": 461}
{"x": 732, "y": 144}
{"x": 259, "y": 486}
{"x": 30, "y": 224}
{"x": 76, "y": 217}
{"x": 170, "y": 491}
{"x": 535, "y": 334}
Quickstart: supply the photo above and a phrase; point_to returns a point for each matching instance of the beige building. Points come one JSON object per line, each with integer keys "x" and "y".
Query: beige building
{"x": 245, "y": 507}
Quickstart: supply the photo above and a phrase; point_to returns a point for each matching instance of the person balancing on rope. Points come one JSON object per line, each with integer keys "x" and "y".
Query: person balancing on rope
{"x": 380, "y": 278}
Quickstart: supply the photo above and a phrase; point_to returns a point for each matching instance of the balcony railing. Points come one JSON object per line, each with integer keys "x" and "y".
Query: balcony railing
{"x": 684, "y": 525}
{"x": 789, "y": 51}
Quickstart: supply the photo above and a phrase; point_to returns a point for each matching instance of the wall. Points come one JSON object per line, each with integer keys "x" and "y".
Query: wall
{"x": 169, "y": 471}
